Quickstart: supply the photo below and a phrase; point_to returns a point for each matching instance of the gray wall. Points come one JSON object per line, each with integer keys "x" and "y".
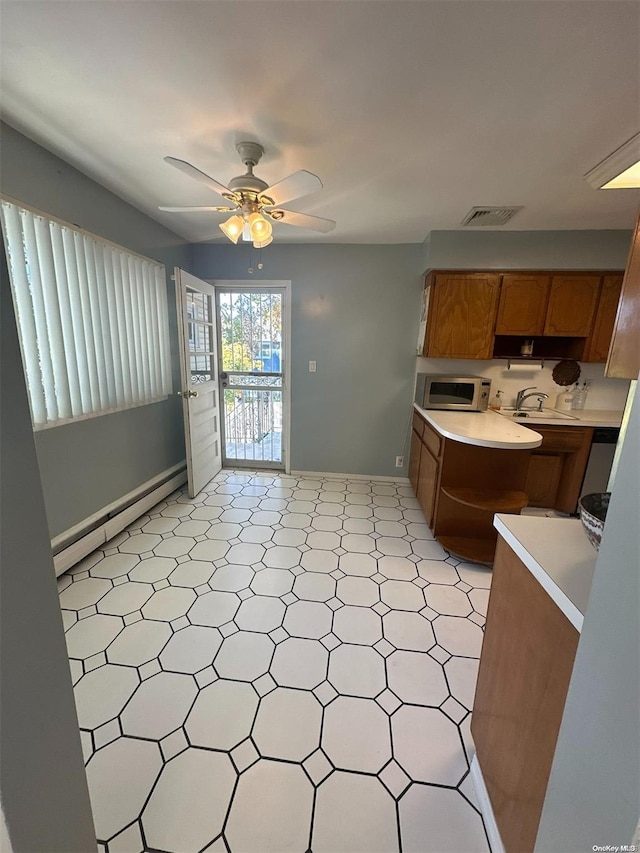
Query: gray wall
{"x": 43, "y": 787}
{"x": 593, "y": 796}
{"x": 89, "y": 464}
{"x": 354, "y": 311}
{"x": 480, "y": 249}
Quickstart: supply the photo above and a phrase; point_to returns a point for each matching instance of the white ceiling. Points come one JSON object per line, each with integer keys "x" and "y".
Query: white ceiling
{"x": 410, "y": 112}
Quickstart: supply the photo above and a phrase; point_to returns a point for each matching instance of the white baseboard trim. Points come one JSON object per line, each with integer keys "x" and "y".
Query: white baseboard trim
{"x": 331, "y": 475}
{"x": 493, "y": 833}
{"x": 80, "y": 540}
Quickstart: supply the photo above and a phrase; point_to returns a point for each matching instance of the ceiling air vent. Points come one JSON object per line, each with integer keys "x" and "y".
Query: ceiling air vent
{"x": 489, "y": 215}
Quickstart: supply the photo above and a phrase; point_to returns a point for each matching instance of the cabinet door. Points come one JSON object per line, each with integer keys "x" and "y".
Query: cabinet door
{"x": 427, "y": 482}
{"x": 523, "y": 304}
{"x": 414, "y": 461}
{"x": 543, "y": 479}
{"x": 600, "y": 340}
{"x": 624, "y": 355}
{"x": 572, "y": 305}
{"x": 462, "y": 316}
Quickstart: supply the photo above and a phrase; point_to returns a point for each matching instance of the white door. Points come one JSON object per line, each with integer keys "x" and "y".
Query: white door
{"x": 195, "y": 301}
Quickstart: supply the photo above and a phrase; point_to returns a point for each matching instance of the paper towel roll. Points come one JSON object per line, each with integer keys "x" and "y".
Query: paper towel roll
{"x": 524, "y": 366}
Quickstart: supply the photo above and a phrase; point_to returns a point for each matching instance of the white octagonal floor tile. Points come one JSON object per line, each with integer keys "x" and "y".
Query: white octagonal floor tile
{"x": 140, "y": 543}
{"x": 114, "y": 566}
{"x": 214, "y": 609}
{"x": 209, "y": 551}
{"x": 310, "y": 619}
{"x": 410, "y": 631}
{"x": 458, "y": 636}
{"x": 397, "y": 568}
{"x": 362, "y": 591}
{"x": 103, "y": 693}
{"x": 160, "y": 525}
{"x": 246, "y": 554}
{"x": 84, "y": 593}
{"x": 462, "y": 674}
{"x": 435, "y": 820}
{"x": 168, "y": 604}
{"x": 416, "y": 678}
{"x": 479, "y": 600}
{"x": 447, "y": 600}
{"x": 475, "y": 575}
{"x": 323, "y": 540}
{"x": 271, "y": 810}
{"x": 159, "y": 705}
{"x": 139, "y": 643}
{"x": 191, "y": 573}
{"x": 191, "y": 649}
{"x": 427, "y": 745}
{"x": 358, "y": 625}
{"x": 355, "y": 734}
{"x": 191, "y": 527}
{"x": 175, "y": 546}
{"x": 317, "y": 560}
{"x": 314, "y": 586}
{"x": 266, "y": 518}
{"x": 360, "y": 565}
{"x": 428, "y": 549}
{"x": 288, "y": 724}
{"x": 393, "y": 547}
{"x": 197, "y": 783}
{"x": 244, "y": 656}
{"x": 260, "y": 613}
{"x": 117, "y": 796}
{"x": 354, "y": 813}
{"x": 281, "y": 557}
{"x": 356, "y": 671}
{"x": 272, "y": 582}
{"x": 358, "y": 543}
{"x": 402, "y": 595}
{"x": 231, "y": 578}
{"x": 436, "y": 571}
{"x": 92, "y": 635}
{"x": 256, "y": 534}
{"x": 292, "y": 538}
{"x": 224, "y": 531}
{"x": 153, "y": 569}
{"x": 125, "y": 598}
{"x": 299, "y": 663}
{"x": 222, "y": 714}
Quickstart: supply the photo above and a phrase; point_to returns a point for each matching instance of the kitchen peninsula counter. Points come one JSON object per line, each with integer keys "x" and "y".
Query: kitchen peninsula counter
{"x": 481, "y": 429}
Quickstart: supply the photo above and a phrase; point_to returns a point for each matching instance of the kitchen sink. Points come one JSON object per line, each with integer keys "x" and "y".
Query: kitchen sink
{"x": 535, "y": 415}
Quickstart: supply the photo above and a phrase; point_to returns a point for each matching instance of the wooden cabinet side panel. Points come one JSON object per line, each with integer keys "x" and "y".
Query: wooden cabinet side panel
{"x": 523, "y": 304}
{"x": 624, "y": 355}
{"x": 527, "y": 657}
{"x": 414, "y": 461}
{"x": 462, "y": 317}
{"x": 598, "y": 346}
{"x": 427, "y": 484}
{"x": 543, "y": 479}
{"x": 572, "y": 305}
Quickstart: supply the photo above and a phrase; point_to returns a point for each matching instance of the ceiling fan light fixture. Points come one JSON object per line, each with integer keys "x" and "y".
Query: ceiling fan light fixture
{"x": 260, "y": 228}
{"x": 232, "y": 228}
{"x": 260, "y": 244}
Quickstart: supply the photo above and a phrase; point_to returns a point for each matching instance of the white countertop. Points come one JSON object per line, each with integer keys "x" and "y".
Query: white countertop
{"x": 580, "y": 417}
{"x": 483, "y": 429}
{"x": 558, "y": 554}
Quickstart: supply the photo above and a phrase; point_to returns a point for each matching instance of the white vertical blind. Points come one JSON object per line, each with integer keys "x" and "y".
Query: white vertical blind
{"x": 92, "y": 319}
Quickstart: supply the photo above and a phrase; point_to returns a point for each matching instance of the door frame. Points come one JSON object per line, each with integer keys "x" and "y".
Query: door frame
{"x": 248, "y": 285}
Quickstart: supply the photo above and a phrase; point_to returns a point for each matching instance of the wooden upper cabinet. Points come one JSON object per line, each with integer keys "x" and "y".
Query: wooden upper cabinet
{"x": 598, "y": 345}
{"x": 572, "y": 305}
{"x": 624, "y": 355}
{"x": 462, "y": 314}
{"x": 523, "y": 304}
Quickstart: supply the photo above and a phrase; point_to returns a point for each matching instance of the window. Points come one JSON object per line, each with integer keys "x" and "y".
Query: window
{"x": 92, "y": 319}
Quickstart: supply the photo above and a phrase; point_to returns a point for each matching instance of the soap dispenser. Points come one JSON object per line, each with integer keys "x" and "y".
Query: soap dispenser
{"x": 496, "y": 402}
{"x": 564, "y": 400}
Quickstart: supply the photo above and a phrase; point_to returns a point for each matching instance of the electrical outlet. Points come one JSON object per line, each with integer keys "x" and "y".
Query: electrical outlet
{"x": 312, "y": 367}
{"x": 399, "y": 461}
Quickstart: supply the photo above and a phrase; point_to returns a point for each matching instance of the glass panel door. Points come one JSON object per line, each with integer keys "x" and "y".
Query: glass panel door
{"x": 251, "y": 349}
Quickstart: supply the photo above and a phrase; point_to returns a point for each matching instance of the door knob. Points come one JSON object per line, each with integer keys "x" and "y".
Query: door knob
{"x": 186, "y": 394}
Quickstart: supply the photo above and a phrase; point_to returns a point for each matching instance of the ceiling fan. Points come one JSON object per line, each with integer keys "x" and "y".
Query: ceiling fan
{"x": 252, "y": 203}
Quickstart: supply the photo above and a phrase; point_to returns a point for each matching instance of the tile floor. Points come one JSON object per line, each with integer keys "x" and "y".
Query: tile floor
{"x": 280, "y": 664}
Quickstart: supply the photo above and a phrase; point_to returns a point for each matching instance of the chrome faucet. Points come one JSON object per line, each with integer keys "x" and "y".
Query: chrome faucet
{"x": 522, "y": 396}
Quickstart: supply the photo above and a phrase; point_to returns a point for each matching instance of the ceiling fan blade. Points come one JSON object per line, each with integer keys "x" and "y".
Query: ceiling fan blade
{"x": 196, "y": 209}
{"x": 190, "y": 170}
{"x": 292, "y": 217}
{"x": 295, "y": 186}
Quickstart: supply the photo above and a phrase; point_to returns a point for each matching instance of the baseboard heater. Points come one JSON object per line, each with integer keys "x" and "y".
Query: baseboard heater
{"x": 79, "y": 541}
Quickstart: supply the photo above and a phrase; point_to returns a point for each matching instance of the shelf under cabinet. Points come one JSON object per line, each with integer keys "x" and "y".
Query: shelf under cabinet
{"x": 490, "y": 500}
{"x": 474, "y": 549}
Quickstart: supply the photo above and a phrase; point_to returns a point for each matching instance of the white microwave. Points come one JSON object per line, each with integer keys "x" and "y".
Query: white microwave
{"x": 458, "y": 393}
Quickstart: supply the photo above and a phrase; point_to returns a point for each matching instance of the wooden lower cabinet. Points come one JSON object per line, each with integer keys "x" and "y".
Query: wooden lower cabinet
{"x": 414, "y": 460}
{"x": 427, "y": 483}
{"x": 526, "y": 663}
{"x": 557, "y": 467}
